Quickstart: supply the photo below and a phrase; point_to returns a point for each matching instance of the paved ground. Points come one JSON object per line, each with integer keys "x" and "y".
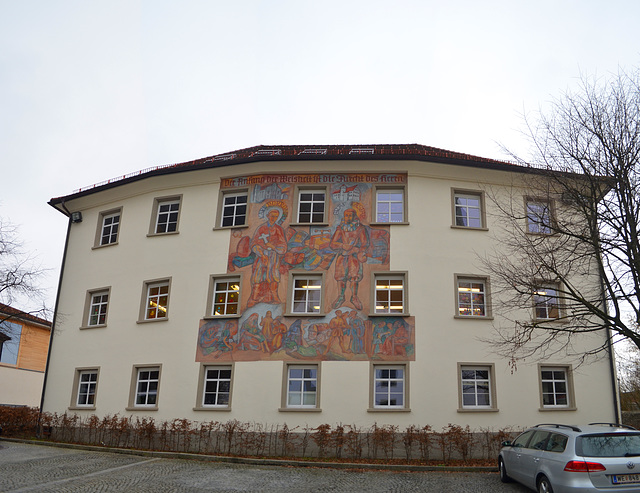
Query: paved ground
{"x": 36, "y": 468}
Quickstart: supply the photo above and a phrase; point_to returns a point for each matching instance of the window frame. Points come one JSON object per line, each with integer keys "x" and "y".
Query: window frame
{"x": 300, "y": 189}
{"x": 473, "y": 278}
{"x": 146, "y": 286}
{"x": 458, "y": 192}
{"x": 568, "y": 379}
{"x": 155, "y": 214}
{"x": 221, "y": 206}
{"x": 547, "y": 306}
{"x": 77, "y": 382}
{"x": 376, "y": 189}
{"x": 291, "y": 290}
{"x": 373, "y": 407}
{"x": 531, "y": 225}
{"x": 493, "y": 403}
{"x": 133, "y": 390}
{"x": 88, "y": 304}
{"x": 391, "y": 275}
{"x": 102, "y": 217}
{"x": 213, "y": 279}
{"x": 284, "y": 403}
{"x": 202, "y": 381}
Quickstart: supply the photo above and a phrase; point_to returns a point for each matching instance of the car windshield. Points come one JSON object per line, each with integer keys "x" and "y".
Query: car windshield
{"x": 609, "y": 445}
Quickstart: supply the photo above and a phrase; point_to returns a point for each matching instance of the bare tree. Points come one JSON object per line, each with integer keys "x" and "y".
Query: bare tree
{"x": 570, "y": 227}
{"x": 19, "y": 278}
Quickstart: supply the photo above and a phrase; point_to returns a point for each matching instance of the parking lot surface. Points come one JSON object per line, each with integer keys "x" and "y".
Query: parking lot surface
{"x": 36, "y": 468}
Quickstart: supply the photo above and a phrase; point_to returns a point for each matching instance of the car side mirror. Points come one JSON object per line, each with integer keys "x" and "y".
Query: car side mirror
{"x": 506, "y": 444}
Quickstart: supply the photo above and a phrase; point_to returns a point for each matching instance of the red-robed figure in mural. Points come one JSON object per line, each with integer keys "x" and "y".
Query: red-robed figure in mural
{"x": 351, "y": 241}
{"x": 268, "y": 244}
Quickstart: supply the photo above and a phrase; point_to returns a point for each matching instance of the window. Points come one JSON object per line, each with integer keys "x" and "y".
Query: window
{"x": 96, "y": 308}
{"x": 215, "y": 387}
{"x": 165, "y": 216}
{"x": 85, "y": 385}
{"x": 311, "y": 205}
{"x": 472, "y": 297}
{"x": 155, "y": 300}
{"x": 556, "y": 387}
{"x": 109, "y": 227}
{"x": 539, "y": 216}
{"x": 224, "y": 299}
{"x": 390, "y": 207}
{"x": 234, "y": 209}
{"x": 545, "y": 302}
{"x": 389, "y": 294}
{"x": 302, "y": 384}
{"x": 468, "y": 209}
{"x": 389, "y": 383}
{"x": 306, "y": 294}
{"x": 145, "y": 387}
{"x": 476, "y": 387}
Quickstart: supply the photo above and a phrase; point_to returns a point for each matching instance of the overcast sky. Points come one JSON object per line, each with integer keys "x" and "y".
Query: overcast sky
{"x": 91, "y": 90}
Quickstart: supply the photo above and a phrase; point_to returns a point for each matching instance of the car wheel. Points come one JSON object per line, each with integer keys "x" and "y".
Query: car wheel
{"x": 504, "y": 477}
{"x": 544, "y": 486}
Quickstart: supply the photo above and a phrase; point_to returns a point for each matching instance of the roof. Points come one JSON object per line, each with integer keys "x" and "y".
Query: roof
{"x": 14, "y": 313}
{"x": 303, "y": 153}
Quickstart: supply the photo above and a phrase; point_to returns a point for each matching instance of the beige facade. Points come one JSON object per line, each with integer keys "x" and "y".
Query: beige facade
{"x": 137, "y": 306}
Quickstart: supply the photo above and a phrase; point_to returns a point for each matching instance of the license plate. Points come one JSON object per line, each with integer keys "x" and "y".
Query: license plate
{"x": 626, "y": 478}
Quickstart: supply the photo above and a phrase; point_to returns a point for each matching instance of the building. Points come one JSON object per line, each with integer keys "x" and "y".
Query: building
{"x": 306, "y": 285}
{"x": 24, "y": 343}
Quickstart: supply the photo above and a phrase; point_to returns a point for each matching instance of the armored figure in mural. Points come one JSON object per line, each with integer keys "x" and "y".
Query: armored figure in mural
{"x": 350, "y": 241}
{"x": 268, "y": 244}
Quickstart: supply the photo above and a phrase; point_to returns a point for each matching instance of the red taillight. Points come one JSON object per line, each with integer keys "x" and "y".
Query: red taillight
{"x": 583, "y": 466}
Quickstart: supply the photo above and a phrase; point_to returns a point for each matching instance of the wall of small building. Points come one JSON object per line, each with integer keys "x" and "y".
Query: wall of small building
{"x": 428, "y": 248}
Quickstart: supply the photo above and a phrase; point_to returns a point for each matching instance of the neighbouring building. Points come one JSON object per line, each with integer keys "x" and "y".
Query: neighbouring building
{"x": 24, "y": 343}
{"x": 301, "y": 284}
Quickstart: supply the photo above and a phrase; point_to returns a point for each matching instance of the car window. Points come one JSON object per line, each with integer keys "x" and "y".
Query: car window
{"x": 609, "y": 445}
{"x": 522, "y": 440}
{"x": 539, "y": 440}
{"x": 557, "y": 442}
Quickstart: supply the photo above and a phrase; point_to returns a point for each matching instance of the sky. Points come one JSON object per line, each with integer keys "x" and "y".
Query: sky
{"x": 93, "y": 90}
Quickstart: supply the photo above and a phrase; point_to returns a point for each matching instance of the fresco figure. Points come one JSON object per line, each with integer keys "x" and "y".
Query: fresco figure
{"x": 350, "y": 241}
{"x": 395, "y": 343}
{"x": 380, "y": 334}
{"x": 252, "y": 337}
{"x": 269, "y": 245}
{"x": 337, "y": 325}
{"x": 267, "y": 324}
{"x": 279, "y": 330}
{"x": 357, "y": 332}
{"x": 215, "y": 338}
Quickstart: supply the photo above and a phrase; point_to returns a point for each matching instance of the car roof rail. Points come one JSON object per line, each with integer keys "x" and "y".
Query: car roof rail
{"x": 614, "y": 425}
{"x": 557, "y": 425}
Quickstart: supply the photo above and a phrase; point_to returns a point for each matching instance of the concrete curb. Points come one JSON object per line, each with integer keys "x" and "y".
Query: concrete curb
{"x": 257, "y": 461}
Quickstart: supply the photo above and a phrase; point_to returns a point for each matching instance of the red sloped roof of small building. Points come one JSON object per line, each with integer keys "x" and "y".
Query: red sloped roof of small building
{"x": 13, "y": 313}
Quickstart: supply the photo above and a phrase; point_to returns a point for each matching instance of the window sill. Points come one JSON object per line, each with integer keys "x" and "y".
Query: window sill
{"x": 99, "y": 326}
{"x": 170, "y": 233}
{"x": 389, "y": 410}
{"x": 145, "y": 409}
{"x": 311, "y": 225}
{"x": 389, "y": 315}
{"x": 303, "y": 315}
{"x": 462, "y": 317}
{"x": 478, "y": 410}
{"x": 212, "y": 408}
{"x": 399, "y": 223}
{"x": 220, "y": 317}
{"x": 164, "y": 319}
{"x": 98, "y": 247}
{"x": 82, "y": 408}
{"x": 551, "y": 409}
{"x": 469, "y": 228}
{"x": 300, "y": 410}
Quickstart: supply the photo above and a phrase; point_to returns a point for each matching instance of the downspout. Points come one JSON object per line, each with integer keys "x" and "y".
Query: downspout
{"x": 55, "y": 318}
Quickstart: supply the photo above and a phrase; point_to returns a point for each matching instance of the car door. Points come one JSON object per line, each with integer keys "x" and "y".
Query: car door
{"x": 513, "y": 455}
{"x": 531, "y": 456}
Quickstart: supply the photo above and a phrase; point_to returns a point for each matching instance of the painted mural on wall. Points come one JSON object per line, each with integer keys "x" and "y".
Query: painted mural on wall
{"x": 345, "y": 252}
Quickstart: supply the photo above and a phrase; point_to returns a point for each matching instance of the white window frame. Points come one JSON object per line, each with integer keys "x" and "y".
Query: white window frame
{"x": 231, "y": 210}
{"x": 228, "y": 302}
{"x": 100, "y": 306}
{"x": 135, "y": 392}
{"x": 567, "y": 380}
{"x": 475, "y": 382}
{"x": 300, "y": 286}
{"x": 385, "y": 295}
{"x": 222, "y": 385}
{"x": 544, "y": 303}
{"x": 394, "y": 214}
{"x": 158, "y": 213}
{"x": 148, "y": 298}
{"x": 376, "y": 392}
{"x": 87, "y": 387}
{"x": 539, "y": 221}
{"x": 313, "y": 219}
{"x": 298, "y": 395}
{"x": 472, "y": 280}
{"x": 112, "y": 237}
{"x": 458, "y": 194}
